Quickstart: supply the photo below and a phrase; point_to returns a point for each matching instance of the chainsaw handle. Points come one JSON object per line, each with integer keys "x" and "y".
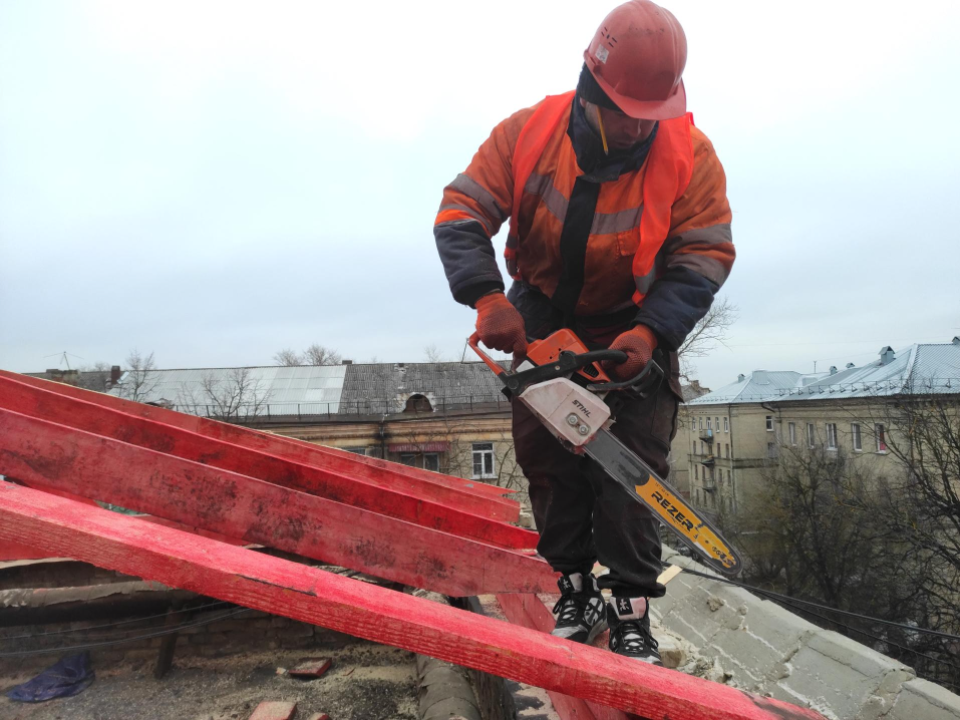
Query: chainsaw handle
{"x": 595, "y": 356}
{"x": 474, "y": 342}
{"x": 652, "y": 374}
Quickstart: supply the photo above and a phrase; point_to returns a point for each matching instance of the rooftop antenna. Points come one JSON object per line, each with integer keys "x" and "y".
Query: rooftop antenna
{"x": 64, "y": 358}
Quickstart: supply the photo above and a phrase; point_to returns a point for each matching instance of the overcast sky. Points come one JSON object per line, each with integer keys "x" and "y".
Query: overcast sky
{"x": 213, "y": 182}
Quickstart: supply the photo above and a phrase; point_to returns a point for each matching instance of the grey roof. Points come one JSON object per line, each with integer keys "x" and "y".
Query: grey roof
{"x": 385, "y": 387}
{"x": 917, "y": 369}
{"x": 97, "y": 380}
{"x": 366, "y": 389}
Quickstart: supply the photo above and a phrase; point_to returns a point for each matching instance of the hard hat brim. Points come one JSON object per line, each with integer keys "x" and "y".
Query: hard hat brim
{"x": 673, "y": 107}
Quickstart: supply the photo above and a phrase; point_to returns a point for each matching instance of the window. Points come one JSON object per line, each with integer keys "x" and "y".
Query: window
{"x": 431, "y": 461}
{"x": 769, "y": 423}
{"x": 356, "y": 450}
{"x": 694, "y": 447}
{"x": 855, "y": 435}
{"x": 708, "y": 423}
{"x": 418, "y": 403}
{"x": 878, "y": 430}
{"x": 792, "y": 433}
{"x": 727, "y": 448}
{"x": 700, "y": 423}
{"x": 698, "y": 496}
{"x": 701, "y": 448}
{"x": 726, "y": 425}
{"x": 831, "y": 436}
{"x": 408, "y": 459}
{"x": 717, "y": 424}
{"x": 811, "y": 435}
{"x": 771, "y": 450}
{"x": 696, "y": 472}
{"x": 483, "y": 466}
{"x": 720, "y": 478}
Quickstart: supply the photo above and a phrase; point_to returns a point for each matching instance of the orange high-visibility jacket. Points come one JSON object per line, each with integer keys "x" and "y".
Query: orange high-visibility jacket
{"x": 659, "y": 239}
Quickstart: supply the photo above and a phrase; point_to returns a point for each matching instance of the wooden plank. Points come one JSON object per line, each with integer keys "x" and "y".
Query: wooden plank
{"x": 60, "y": 526}
{"x": 47, "y": 454}
{"x": 483, "y": 499}
{"x": 153, "y": 435}
{"x": 515, "y": 610}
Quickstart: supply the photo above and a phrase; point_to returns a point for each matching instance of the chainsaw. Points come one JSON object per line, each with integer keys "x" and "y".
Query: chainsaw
{"x": 564, "y": 385}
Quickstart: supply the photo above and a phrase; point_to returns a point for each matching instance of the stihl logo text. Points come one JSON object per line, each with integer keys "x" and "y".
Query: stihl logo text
{"x": 581, "y": 407}
{"x": 673, "y": 510}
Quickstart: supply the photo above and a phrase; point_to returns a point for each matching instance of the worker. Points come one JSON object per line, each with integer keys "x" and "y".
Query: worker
{"x": 620, "y": 230}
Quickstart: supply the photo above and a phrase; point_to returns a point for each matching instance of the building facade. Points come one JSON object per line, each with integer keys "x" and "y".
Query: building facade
{"x": 729, "y": 436}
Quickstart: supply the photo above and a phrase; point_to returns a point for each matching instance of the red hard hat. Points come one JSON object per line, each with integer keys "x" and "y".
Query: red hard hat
{"x": 637, "y": 56}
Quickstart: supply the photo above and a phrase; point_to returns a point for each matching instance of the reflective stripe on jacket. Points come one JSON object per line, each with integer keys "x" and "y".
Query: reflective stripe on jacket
{"x": 665, "y": 222}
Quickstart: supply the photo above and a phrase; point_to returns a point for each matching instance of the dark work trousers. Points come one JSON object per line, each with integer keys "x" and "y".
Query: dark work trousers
{"x": 582, "y": 514}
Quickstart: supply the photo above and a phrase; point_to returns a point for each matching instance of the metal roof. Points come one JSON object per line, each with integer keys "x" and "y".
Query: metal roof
{"x": 320, "y": 386}
{"x": 917, "y": 369}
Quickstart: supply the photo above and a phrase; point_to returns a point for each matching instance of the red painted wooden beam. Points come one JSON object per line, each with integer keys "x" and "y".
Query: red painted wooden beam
{"x": 529, "y": 612}
{"x": 100, "y": 420}
{"x": 46, "y": 454}
{"x": 178, "y": 559}
{"x": 475, "y": 497}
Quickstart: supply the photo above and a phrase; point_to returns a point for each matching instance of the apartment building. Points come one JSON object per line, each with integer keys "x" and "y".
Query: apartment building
{"x": 730, "y": 435}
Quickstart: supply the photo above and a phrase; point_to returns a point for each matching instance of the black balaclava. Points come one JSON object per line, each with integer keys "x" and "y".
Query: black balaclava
{"x": 587, "y": 145}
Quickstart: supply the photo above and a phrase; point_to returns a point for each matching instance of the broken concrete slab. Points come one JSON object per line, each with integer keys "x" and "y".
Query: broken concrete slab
{"x": 923, "y": 699}
{"x": 852, "y": 680}
{"x": 771, "y": 651}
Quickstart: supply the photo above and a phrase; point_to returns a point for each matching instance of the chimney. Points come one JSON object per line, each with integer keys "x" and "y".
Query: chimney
{"x": 956, "y": 340}
{"x": 887, "y": 355}
{"x": 741, "y": 377}
{"x": 114, "y": 375}
{"x": 346, "y": 362}
{"x": 850, "y": 365}
{"x": 833, "y": 369}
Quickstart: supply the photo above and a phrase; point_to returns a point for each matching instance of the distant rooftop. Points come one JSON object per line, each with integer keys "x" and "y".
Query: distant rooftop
{"x": 917, "y": 369}
{"x": 349, "y": 389}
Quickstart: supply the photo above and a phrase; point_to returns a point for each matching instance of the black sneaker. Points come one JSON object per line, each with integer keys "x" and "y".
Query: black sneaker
{"x": 629, "y": 620}
{"x": 580, "y": 614}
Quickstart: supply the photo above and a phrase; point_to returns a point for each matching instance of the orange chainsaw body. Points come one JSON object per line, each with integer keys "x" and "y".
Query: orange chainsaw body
{"x": 546, "y": 351}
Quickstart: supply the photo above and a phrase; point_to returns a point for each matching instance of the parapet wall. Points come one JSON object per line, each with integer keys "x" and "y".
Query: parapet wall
{"x": 771, "y": 651}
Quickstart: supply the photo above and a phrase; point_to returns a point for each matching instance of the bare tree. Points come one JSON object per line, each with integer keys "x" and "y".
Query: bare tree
{"x": 288, "y": 358}
{"x": 141, "y": 378}
{"x": 314, "y": 355}
{"x": 819, "y": 534}
{"x": 706, "y": 335}
{"x": 432, "y": 354}
{"x": 95, "y": 377}
{"x": 923, "y": 509}
{"x": 233, "y": 395}
{"x": 831, "y": 527}
{"x": 320, "y": 355}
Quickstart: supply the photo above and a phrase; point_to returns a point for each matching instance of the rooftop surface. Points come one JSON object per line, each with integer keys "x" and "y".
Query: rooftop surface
{"x": 916, "y": 369}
